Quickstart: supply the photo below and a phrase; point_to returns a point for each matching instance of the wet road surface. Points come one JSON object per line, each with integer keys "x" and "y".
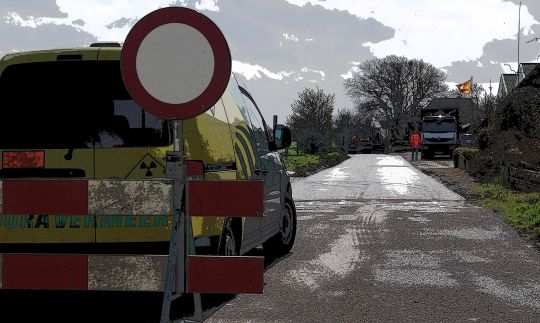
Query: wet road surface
{"x": 379, "y": 241}
{"x": 372, "y": 177}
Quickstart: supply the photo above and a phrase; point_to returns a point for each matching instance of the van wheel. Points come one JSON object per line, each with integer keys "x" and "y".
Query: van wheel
{"x": 283, "y": 242}
{"x": 229, "y": 244}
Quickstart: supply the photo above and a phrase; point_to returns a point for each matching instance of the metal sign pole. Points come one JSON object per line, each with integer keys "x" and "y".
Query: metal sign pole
{"x": 175, "y": 279}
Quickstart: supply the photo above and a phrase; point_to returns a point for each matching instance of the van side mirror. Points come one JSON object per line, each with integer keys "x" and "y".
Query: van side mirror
{"x": 282, "y": 137}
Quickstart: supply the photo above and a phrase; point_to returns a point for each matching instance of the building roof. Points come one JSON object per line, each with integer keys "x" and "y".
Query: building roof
{"x": 464, "y": 107}
{"x": 528, "y": 67}
{"x": 532, "y": 77}
{"x": 449, "y": 103}
{"x": 510, "y": 81}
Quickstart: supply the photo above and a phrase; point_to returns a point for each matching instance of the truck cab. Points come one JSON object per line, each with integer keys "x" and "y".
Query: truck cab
{"x": 439, "y": 135}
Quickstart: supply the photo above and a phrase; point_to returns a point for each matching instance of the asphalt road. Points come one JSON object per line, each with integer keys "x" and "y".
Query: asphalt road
{"x": 379, "y": 241}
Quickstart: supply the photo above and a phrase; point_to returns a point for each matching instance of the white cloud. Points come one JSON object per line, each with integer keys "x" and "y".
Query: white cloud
{"x": 354, "y": 68}
{"x": 290, "y": 37}
{"x": 439, "y": 32}
{"x": 97, "y": 14}
{"x": 253, "y": 71}
{"x": 250, "y": 71}
{"x": 309, "y": 70}
{"x": 31, "y": 22}
{"x": 207, "y": 5}
{"x": 347, "y": 75}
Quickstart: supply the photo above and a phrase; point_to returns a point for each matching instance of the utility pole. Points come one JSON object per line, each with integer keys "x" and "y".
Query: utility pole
{"x": 519, "y": 39}
{"x": 490, "y": 101}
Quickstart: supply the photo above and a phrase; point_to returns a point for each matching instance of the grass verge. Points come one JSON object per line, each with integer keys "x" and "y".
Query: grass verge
{"x": 307, "y": 164}
{"x": 521, "y": 210}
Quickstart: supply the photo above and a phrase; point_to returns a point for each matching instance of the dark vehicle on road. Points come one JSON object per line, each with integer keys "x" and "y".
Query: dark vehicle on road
{"x": 439, "y": 134}
{"x": 443, "y": 121}
{"x": 365, "y": 141}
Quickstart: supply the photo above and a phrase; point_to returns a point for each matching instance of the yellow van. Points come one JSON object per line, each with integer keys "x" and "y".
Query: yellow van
{"x": 65, "y": 114}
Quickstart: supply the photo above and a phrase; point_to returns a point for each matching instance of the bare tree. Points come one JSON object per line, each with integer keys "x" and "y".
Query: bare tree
{"x": 393, "y": 89}
{"x": 311, "y": 119}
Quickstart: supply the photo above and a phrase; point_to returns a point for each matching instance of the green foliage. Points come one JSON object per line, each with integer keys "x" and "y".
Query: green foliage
{"x": 521, "y": 210}
{"x": 297, "y": 163}
{"x": 311, "y": 119}
{"x": 513, "y": 134}
{"x": 307, "y": 164}
{"x": 467, "y": 152}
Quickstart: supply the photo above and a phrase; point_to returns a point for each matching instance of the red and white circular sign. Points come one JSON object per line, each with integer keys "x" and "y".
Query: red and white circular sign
{"x": 175, "y": 63}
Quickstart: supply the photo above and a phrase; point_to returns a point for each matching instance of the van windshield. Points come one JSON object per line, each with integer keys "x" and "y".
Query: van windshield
{"x": 73, "y": 104}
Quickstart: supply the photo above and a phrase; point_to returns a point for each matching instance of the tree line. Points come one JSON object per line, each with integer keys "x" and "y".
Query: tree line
{"x": 387, "y": 93}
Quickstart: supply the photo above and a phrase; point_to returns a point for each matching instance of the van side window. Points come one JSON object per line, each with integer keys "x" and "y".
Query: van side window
{"x": 257, "y": 124}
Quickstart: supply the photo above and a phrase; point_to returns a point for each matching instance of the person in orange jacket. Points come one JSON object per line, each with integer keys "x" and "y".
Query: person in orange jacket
{"x": 415, "y": 141}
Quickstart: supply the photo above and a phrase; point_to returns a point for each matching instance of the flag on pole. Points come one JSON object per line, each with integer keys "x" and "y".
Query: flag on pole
{"x": 465, "y": 87}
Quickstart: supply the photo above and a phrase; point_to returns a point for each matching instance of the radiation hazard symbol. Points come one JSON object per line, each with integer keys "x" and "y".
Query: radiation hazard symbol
{"x": 147, "y": 167}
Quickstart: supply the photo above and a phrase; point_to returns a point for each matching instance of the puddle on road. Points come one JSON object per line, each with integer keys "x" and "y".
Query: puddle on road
{"x": 397, "y": 179}
{"x": 341, "y": 260}
{"x": 525, "y": 295}
{"x": 390, "y": 161}
{"x": 343, "y": 255}
{"x": 337, "y": 174}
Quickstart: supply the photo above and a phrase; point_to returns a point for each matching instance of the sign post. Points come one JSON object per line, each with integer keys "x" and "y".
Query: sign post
{"x": 176, "y": 64}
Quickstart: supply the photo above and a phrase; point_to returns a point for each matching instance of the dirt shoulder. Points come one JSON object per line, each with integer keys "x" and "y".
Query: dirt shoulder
{"x": 462, "y": 183}
{"x": 457, "y": 180}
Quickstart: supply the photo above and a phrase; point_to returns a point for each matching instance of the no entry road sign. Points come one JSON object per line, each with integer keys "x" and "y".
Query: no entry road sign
{"x": 175, "y": 63}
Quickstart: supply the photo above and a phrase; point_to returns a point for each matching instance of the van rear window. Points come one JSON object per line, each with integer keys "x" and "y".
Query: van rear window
{"x": 73, "y": 104}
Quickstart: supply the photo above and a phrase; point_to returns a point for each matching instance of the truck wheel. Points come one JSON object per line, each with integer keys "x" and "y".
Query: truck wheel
{"x": 230, "y": 239}
{"x": 283, "y": 242}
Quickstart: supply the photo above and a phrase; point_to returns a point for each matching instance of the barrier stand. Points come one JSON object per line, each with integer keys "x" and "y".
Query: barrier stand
{"x": 190, "y": 273}
{"x": 175, "y": 276}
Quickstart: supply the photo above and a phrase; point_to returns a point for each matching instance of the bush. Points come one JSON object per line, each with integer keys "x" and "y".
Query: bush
{"x": 307, "y": 164}
{"x": 467, "y": 152}
{"x": 513, "y": 136}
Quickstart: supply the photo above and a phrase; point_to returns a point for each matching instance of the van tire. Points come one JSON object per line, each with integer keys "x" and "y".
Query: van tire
{"x": 229, "y": 244}
{"x": 283, "y": 242}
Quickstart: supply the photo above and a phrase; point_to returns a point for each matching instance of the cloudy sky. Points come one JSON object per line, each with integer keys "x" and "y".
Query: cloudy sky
{"x": 283, "y": 46}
